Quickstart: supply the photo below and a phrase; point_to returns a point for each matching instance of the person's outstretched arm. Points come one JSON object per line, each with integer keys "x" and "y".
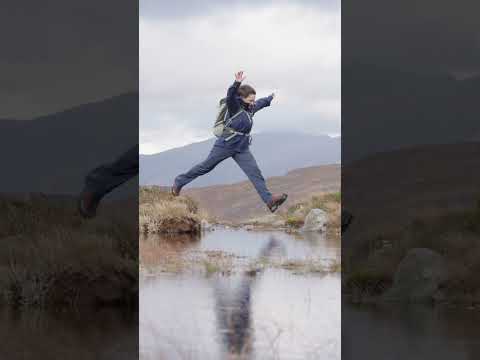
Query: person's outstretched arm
{"x": 232, "y": 94}
{"x": 263, "y": 102}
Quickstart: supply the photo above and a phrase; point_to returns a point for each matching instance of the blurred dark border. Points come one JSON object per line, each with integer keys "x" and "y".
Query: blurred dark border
{"x": 410, "y": 150}
{"x": 69, "y": 108}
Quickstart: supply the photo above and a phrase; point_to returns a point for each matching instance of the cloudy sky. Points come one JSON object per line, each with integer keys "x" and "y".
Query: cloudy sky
{"x": 416, "y": 36}
{"x": 190, "y": 50}
{"x": 59, "y": 54}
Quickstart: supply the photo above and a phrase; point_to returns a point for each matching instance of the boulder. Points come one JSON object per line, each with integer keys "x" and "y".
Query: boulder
{"x": 316, "y": 220}
{"x": 417, "y": 277}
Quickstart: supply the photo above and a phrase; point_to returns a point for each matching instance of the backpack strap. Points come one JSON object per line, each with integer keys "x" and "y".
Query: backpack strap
{"x": 233, "y": 132}
{"x": 229, "y": 121}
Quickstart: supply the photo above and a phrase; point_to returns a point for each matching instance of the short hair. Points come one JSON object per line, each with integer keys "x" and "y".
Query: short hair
{"x": 245, "y": 90}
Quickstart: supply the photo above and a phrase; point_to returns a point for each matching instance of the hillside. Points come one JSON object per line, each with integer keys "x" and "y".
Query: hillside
{"x": 240, "y": 201}
{"x": 440, "y": 178}
{"x": 66, "y": 145}
{"x": 389, "y": 109}
{"x": 276, "y": 154}
{"x": 422, "y": 197}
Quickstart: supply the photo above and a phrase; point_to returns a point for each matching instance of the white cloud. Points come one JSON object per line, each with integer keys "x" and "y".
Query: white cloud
{"x": 186, "y": 64}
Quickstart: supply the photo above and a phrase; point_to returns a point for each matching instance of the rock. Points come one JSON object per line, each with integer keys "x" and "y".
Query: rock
{"x": 417, "y": 277}
{"x": 316, "y": 220}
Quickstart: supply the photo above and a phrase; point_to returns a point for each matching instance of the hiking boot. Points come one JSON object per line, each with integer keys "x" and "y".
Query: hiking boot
{"x": 87, "y": 204}
{"x": 276, "y": 202}
{"x": 175, "y": 190}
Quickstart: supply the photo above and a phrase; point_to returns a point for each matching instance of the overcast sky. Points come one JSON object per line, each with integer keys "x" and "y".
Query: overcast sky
{"x": 190, "y": 51}
{"x": 59, "y": 54}
{"x": 436, "y": 36}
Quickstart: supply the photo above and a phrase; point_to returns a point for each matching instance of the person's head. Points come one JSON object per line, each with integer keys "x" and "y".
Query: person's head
{"x": 247, "y": 94}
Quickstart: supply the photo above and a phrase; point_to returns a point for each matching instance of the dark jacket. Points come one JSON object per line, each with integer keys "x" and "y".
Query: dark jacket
{"x": 242, "y": 123}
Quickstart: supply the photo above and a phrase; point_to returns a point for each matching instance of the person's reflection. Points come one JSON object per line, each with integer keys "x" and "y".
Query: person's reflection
{"x": 233, "y": 309}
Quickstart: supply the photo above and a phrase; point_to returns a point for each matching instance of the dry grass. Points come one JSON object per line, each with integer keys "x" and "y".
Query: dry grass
{"x": 162, "y": 213}
{"x": 370, "y": 262}
{"x": 49, "y": 255}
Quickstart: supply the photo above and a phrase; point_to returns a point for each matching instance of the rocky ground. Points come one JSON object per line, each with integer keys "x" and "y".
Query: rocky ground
{"x": 162, "y": 213}
{"x": 319, "y": 213}
{"x": 180, "y": 219}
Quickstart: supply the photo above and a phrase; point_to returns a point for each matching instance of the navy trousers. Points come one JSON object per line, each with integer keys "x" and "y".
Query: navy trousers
{"x": 105, "y": 178}
{"x": 244, "y": 159}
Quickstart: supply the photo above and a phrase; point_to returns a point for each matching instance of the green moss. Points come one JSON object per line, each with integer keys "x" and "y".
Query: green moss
{"x": 210, "y": 268}
{"x": 295, "y": 222}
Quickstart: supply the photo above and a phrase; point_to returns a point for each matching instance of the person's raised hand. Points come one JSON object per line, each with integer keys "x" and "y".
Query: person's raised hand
{"x": 239, "y": 76}
{"x": 272, "y": 95}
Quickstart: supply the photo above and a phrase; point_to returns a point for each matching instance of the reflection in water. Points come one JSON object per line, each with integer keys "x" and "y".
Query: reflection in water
{"x": 253, "y": 314}
{"x": 233, "y": 314}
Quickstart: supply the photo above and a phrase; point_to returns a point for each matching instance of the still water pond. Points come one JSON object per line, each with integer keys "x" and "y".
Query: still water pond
{"x": 271, "y": 314}
{"x": 414, "y": 332}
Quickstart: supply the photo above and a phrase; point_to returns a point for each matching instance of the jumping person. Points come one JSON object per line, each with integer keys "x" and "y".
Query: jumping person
{"x": 103, "y": 179}
{"x": 234, "y": 141}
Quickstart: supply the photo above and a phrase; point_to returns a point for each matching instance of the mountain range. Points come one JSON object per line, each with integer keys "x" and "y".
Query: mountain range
{"x": 387, "y": 109}
{"x": 390, "y": 109}
{"x": 53, "y": 153}
{"x": 276, "y": 154}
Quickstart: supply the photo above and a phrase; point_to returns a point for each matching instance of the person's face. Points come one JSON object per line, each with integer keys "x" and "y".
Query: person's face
{"x": 250, "y": 99}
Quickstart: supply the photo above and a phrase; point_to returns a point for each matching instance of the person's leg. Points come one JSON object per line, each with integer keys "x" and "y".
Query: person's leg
{"x": 247, "y": 163}
{"x": 105, "y": 178}
{"x": 216, "y": 156}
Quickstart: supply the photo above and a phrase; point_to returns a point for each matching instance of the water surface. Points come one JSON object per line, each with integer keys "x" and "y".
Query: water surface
{"x": 272, "y": 314}
{"x": 414, "y": 332}
{"x": 108, "y": 334}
